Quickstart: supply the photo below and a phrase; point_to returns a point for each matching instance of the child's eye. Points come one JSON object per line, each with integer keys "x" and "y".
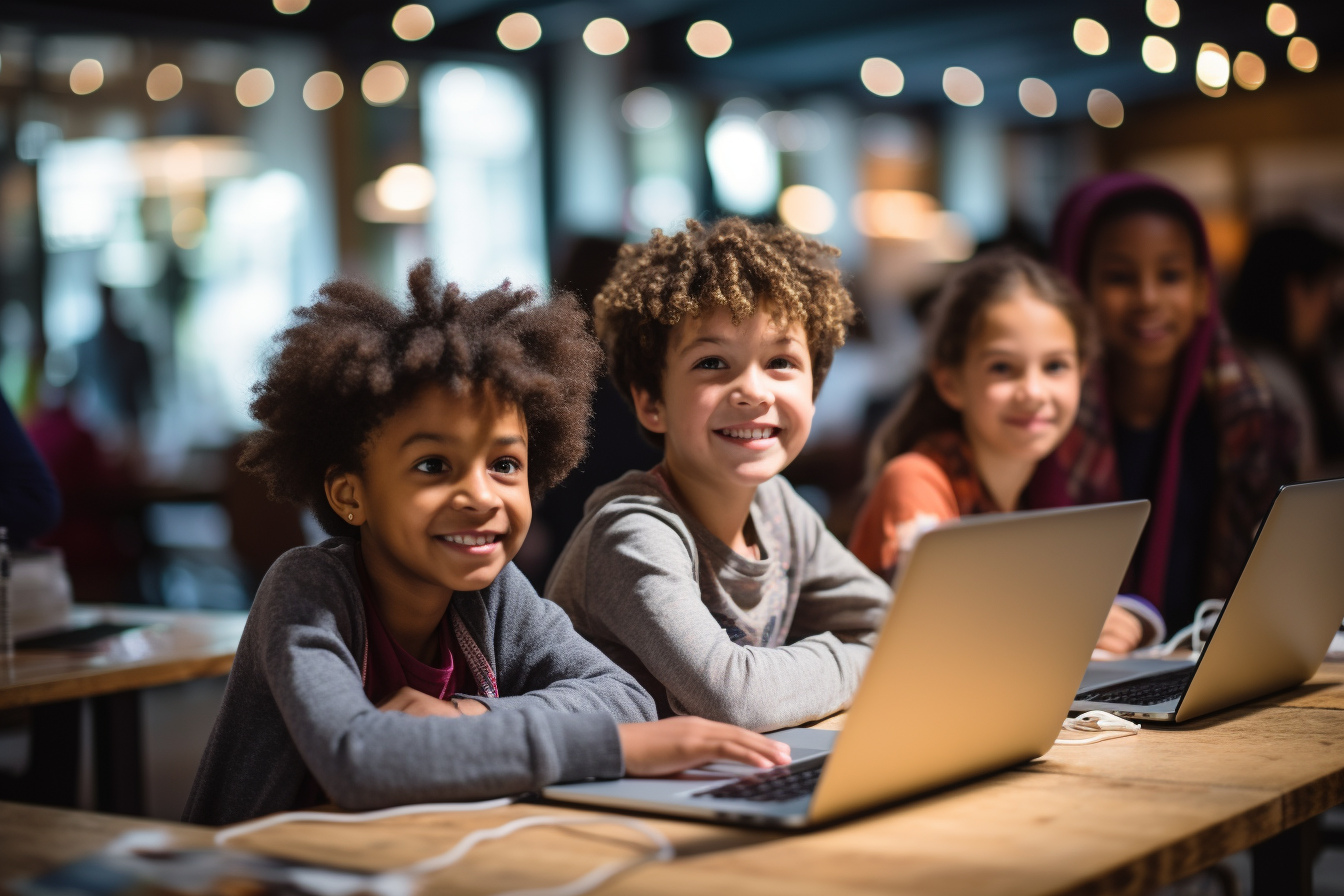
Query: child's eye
{"x": 507, "y": 466}
{"x": 1172, "y": 275}
{"x": 711, "y": 364}
{"x": 1000, "y": 368}
{"x": 1058, "y": 366}
{"x": 432, "y": 465}
{"x": 781, "y": 364}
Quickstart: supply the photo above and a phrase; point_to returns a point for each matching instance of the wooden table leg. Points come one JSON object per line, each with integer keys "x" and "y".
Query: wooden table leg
{"x": 117, "y": 754}
{"x": 1281, "y": 866}
{"x": 52, "y": 775}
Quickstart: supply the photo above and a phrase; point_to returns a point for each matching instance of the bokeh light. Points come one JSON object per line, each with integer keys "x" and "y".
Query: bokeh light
{"x": 605, "y": 36}
{"x": 164, "y": 82}
{"x": 86, "y": 76}
{"x": 255, "y": 86}
{"x": 188, "y": 227}
{"x": 384, "y": 83}
{"x": 518, "y": 31}
{"x": 1159, "y": 54}
{"x": 1163, "y": 13}
{"x": 322, "y": 91}
{"x": 1302, "y": 54}
{"x": 1248, "y": 70}
{"x": 1105, "y": 108}
{"x": 413, "y": 22}
{"x": 290, "y": 7}
{"x": 1037, "y": 97}
{"x": 806, "y": 209}
{"x": 1091, "y": 37}
{"x": 882, "y": 76}
{"x": 894, "y": 214}
{"x": 743, "y": 163}
{"x": 1281, "y": 19}
{"x": 647, "y": 109}
{"x": 963, "y": 86}
{"x": 709, "y": 39}
{"x": 1213, "y": 69}
{"x": 405, "y": 188}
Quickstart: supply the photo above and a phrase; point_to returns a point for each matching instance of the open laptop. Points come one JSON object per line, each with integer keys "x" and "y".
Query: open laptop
{"x": 993, "y": 622}
{"x": 1272, "y": 633}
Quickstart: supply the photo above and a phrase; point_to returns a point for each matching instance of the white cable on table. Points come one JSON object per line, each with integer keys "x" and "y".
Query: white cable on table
{"x": 407, "y": 880}
{"x": 1109, "y": 725}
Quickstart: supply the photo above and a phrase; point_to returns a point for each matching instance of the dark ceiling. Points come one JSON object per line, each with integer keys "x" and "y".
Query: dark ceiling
{"x": 780, "y": 48}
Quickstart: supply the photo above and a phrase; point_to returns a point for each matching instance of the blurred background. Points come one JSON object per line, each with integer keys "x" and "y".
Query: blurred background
{"x": 176, "y": 177}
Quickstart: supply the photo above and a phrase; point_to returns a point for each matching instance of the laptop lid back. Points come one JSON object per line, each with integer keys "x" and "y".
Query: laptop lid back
{"x": 1276, "y": 627}
{"x": 990, "y": 631}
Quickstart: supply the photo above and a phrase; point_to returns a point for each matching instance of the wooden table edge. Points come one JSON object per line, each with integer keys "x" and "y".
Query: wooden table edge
{"x": 122, "y": 678}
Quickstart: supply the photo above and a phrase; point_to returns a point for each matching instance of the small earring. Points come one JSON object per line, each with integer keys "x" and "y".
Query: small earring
{"x": 350, "y": 516}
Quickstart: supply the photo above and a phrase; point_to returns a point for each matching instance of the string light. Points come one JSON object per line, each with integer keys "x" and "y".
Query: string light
{"x": 882, "y": 76}
{"x": 255, "y": 86}
{"x": 1163, "y": 13}
{"x": 290, "y": 7}
{"x": 1159, "y": 54}
{"x": 1281, "y": 19}
{"x": 1105, "y": 108}
{"x": 1248, "y": 70}
{"x": 405, "y": 188}
{"x": 384, "y": 83}
{"x": 605, "y": 36}
{"x": 413, "y": 22}
{"x": 322, "y": 91}
{"x": 963, "y": 86}
{"x": 709, "y": 39}
{"x": 1213, "y": 68}
{"x": 518, "y": 31}
{"x": 1091, "y": 37}
{"x": 1302, "y": 54}
{"x": 86, "y": 76}
{"x": 164, "y": 82}
{"x": 1037, "y": 97}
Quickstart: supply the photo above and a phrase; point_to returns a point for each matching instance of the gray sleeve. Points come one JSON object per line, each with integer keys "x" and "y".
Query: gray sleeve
{"x": 551, "y": 667}
{"x": 838, "y": 593}
{"x": 366, "y": 759}
{"x": 642, "y": 585}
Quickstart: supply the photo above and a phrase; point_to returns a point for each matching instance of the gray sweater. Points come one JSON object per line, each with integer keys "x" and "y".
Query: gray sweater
{"x": 764, "y": 644}
{"x": 295, "y": 702}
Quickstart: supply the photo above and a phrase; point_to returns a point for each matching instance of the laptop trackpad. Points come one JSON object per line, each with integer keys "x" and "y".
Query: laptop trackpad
{"x": 1101, "y": 673}
{"x": 804, "y": 743}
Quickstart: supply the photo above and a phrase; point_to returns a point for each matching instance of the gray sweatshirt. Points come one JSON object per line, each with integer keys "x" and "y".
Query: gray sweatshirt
{"x": 295, "y": 702}
{"x": 764, "y": 644}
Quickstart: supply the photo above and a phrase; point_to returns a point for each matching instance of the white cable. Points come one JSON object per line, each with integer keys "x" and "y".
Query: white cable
{"x": 407, "y": 880}
{"x": 1194, "y": 632}
{"x": 1109, "y": 725}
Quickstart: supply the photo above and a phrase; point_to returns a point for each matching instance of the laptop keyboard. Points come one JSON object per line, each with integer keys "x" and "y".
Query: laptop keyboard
{"x": 1144, "y": 692}
{"x": 773, "y": 786}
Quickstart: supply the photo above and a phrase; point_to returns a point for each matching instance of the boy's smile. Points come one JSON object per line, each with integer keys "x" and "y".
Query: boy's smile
{"x": 737, "y": 400}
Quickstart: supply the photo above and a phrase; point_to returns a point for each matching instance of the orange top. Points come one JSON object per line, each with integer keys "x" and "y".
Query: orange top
{"x": 932, "y": 484}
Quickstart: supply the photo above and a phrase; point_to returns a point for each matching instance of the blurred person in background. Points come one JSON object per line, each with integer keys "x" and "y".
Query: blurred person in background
{"x": 1281, "y": 309}
{"x": 1174, "y": 413}
{"x": 30, "y": 503}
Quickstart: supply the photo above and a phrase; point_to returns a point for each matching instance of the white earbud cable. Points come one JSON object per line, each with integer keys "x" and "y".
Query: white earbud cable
{"x": 407, "y": 880}
{"x": 1106, "y": 724}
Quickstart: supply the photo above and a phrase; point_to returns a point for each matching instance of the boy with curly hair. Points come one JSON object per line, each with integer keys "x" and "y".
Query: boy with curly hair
{"x": 405, "y": 659}
{"x": 707, "y": 577}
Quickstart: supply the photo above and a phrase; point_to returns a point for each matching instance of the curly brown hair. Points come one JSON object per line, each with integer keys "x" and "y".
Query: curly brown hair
{"x": 355, "y": 357}
{"x": 733, "y": 263}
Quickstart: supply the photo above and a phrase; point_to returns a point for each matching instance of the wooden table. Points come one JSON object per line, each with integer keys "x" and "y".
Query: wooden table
{"x": 165, "y": 647}
{"x": 1118, "y": 817}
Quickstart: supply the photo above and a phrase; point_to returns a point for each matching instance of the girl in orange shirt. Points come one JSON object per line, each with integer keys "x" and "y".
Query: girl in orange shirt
{"x": 1007, "y": 347}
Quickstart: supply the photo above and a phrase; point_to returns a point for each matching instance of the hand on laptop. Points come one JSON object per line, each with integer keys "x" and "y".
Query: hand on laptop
{"x": 668, "y": 746}
{"x": 1122, "y": 632}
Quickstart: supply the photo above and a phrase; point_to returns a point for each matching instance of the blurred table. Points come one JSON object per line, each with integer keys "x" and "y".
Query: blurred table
{"x": 1119, "y": 817}
{"x": 164, "y": 647}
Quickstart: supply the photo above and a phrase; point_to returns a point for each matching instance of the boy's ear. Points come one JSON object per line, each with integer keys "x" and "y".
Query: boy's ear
{"x": 344, "y": 491}
{"x": 948, "y": 383}
{"x": 650, "y": 412}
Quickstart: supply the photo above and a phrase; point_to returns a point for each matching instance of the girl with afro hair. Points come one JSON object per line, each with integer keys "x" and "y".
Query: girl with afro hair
{"x": 405, "y": 659}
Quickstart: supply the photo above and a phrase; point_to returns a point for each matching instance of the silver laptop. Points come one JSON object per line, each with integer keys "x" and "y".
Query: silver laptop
{"x": 1272, "y": 633}
{"x": 993, "y": 614}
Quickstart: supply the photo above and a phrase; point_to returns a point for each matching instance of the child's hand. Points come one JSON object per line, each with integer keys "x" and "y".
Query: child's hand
{"x": 673, "y": 745}
{"x": 1122, "y": 632}
{"x": 415, "y": 703}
